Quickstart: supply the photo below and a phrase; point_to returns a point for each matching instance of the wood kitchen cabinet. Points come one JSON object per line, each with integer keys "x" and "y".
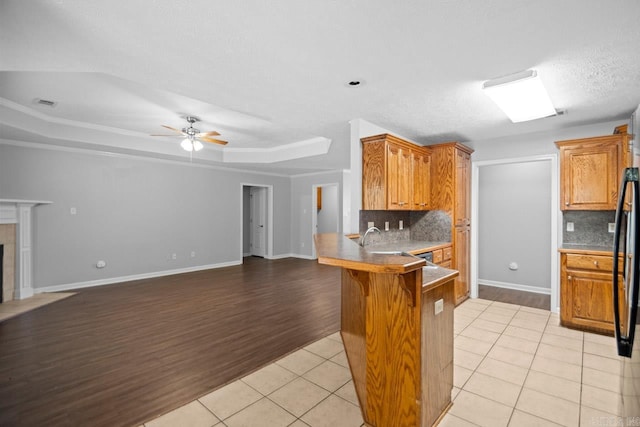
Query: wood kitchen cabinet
{"x": 586, "y": 295}
{"x": 451, "y": 192}
{"x": 395, "y": 174}
{"x": 590, "y": 171}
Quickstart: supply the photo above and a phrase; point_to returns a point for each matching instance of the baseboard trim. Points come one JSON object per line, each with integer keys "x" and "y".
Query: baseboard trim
{"x": 515, "y": 286}
{"x": 112, "y": 280}
{"x": 281, "y": 256}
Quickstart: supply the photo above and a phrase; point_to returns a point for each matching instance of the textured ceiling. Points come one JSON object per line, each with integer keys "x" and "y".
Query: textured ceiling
{"x": 272, "y": 77}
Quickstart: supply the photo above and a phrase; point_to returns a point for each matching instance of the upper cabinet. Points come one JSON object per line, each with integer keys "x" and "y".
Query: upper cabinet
{"x": 395, "y": 174}
{"x": 451, "y": 189}
{"x": 590, "y": 171}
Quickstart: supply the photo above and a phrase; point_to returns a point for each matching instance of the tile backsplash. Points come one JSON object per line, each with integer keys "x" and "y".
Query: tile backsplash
{"x": 432, "y": 226}
{"x": 589, "y": 227}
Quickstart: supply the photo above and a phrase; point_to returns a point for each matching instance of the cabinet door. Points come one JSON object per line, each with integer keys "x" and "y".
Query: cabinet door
{"x": 462, "y": 200}
{"x": 461, "y": 246}
{"x": 398, "y": 178}
{"x": 590, "y": 176}
{"x": 421, "y": 180}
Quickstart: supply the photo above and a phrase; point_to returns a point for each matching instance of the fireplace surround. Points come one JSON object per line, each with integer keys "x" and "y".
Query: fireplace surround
{"x": 18, "y": 247}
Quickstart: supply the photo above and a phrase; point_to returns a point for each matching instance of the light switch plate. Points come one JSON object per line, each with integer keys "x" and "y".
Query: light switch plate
{"x": 370, "y": 224}
{"x": 611, "y": 227}
{"x": 569, "y": 226}
{"x": 386, "y": 226}
{"x": 400, "y": 225}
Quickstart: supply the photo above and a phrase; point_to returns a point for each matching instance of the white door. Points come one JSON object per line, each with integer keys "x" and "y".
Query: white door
{"x": 258, "y": 220}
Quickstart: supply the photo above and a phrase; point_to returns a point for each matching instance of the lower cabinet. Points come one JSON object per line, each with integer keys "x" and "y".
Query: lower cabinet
{"x": 586, "y": 292}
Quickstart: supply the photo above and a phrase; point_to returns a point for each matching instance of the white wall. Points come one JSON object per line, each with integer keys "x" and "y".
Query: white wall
{"x": 132, "y": 212}
{"x": 514, "y": 225}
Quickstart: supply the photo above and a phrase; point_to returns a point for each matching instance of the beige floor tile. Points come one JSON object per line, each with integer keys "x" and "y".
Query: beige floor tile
{"x": 527, "y": 324}
{"x": 517, "y": 344}
{"x": 334, "y": 412}
{"x": 481, "y": 411}
{"x": 511, "y": 356}
{"x": 600, "y": 339}
{"x": 590, "y": 417}
{"x": 600, "y": 399}
{"x": 348, "y": 392}
{"x": 466, "y": 359}
{"x": 6, "y": 315}
{"x": 460, "y": 376}
{"x": 471, "y": 344}
{"x": 522, "y": 333}
{"x": 513, "y": 307}
{"x": 262, "y": 413}
{"x": 533, "y": 310}
{"x": 329, "y": 376}
{"x": 298, "y": 396}
{"x": 454, "y": 393}
{"x": 336, "y": 337}
{"x": 501, "y": 311}
{"x": 604, "y": 350}
{"x": 489, "y": 325}
{"x": 493, "y": 388}
{"x": 300, "y": 361}
{"x": 453, "y": 421}
{"x": 522, "y": 419}
{"x": 269, "y": 378}
{"x": 502, "y": 370}
{"x": 601, "y": 379}
{"x": 496, "y": 318}
{"x": 325, "y": 347}
{"x": 532, "y": 317}
{"x": 480, "y": 334}
{"x": 561, "y": 354}
{"x": 564, "y": 332}
{"x": 557, "y": 368}
{"x": 230, "y": 399}
{"x": 600, "y": 363}
{"x": 467, "y": 313}
{"x": 549, "y": 407}
{"x": 298, "y": 423}
{"x": 555, "y": 386}
{"x": 480, "y": 301}
{"x": 193, "y": 414}
{"x": 341, "y": 359}
{"x": 562, "y": 342}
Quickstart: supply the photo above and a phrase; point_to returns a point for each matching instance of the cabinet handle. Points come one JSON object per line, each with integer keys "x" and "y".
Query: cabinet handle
{"x": 566, "y": 203}
{"x": 595, "y": 263}
{"x": 568, "y": 277}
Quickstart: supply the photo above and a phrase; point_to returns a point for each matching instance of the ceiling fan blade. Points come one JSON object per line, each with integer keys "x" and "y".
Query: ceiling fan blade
{"x": 212, "y": 133}
{"x": 163, "y": 134}
{"x": 173, "y": 129}
{"x": 215, "y": 141}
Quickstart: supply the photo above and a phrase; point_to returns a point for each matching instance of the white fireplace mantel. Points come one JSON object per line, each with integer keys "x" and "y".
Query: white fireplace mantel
{"x": 20, "y": 212}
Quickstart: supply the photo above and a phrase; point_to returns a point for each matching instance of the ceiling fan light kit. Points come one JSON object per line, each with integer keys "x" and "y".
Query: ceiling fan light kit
{"x": 191, "y": 142}
{"x": 521, "y": 96}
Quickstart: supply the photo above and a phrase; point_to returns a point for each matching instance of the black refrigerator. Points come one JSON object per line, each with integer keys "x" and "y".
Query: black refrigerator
{"x": 625, "y": 295}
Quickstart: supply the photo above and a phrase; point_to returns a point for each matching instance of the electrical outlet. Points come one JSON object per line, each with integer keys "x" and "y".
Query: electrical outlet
{"x": 174, "y": 256}
{"x": 73, "y": 211}
{"x": 101, "y": 264}
{"x": 439, "y": 306}
{"x": 193, "y": 254}
{"x": 611, "y": 227}
{"x": 386, "y": 226}
{"x": 370, "y": 224}
{"x": 401, "y": 225}
{"x": 569, "y": 226}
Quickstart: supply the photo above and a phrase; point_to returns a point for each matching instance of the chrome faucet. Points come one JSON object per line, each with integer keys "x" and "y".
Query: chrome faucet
{"x": 364, "y": 236}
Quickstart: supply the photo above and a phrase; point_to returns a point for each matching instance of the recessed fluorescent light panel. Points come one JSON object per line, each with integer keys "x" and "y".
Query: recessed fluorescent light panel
{"x": 521, "y": 96}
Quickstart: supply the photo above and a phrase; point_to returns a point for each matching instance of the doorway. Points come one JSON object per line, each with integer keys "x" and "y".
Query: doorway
{"x": 325, "y": 211}
{"x": 257, "y": 221}
{"x": 515, "y": 234}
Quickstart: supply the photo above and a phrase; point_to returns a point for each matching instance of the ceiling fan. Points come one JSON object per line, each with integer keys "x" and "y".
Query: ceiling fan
{"x": 193, "y": 136}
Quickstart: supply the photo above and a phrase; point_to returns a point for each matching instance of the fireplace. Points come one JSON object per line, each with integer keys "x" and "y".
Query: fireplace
{"x": 16, "y": 236}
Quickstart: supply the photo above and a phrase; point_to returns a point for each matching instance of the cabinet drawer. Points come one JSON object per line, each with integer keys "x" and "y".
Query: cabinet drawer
{"x": 446, "y": 253}
{"x": 446, "y": 264}
{"x": 437, "y": 256}
{"x": 590, "y": 262}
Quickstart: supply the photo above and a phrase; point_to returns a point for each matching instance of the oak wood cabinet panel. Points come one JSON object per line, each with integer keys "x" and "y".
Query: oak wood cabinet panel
{"x": 395, "y": 174}
{"x": 451, "y": 192}
{"x": 586, "y": 294}
{"x": 590, "y": 171}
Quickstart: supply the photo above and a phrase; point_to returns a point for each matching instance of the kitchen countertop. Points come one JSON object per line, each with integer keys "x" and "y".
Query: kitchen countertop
{"x": 587, "y": 249}
{"x": 414, "y": 247}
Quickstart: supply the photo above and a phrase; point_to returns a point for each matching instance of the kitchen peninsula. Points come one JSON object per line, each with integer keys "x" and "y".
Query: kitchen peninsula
{"x": 397, "y": 329}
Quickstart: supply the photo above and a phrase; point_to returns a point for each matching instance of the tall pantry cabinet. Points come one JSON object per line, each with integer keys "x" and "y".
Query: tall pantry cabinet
{"x": 451, "y": 192}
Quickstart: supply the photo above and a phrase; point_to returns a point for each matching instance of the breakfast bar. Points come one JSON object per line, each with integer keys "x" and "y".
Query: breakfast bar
{"x": 397, "y": 330}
